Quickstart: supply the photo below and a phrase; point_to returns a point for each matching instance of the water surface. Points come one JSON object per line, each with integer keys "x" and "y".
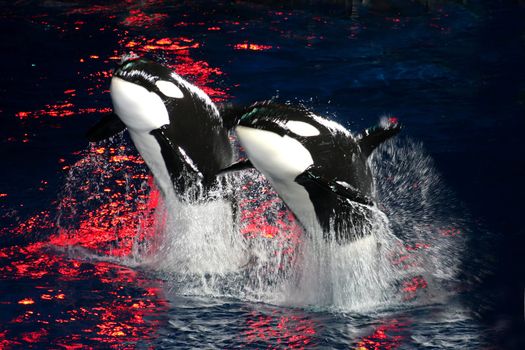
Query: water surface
{"x": 91, "y": 256}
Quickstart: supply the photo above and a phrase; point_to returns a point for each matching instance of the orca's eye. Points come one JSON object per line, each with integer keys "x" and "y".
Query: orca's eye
{"x": 302, "y": 128}
{"x": 169, "y": 89}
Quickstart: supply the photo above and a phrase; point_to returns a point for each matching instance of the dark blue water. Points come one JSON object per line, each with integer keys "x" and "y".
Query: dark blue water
{"x": 451, "y": 185}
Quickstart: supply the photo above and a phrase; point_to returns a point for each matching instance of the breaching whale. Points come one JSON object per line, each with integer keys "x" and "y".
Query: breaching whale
{"x": 174, "y": 125}
{"x": 319, "y": 169}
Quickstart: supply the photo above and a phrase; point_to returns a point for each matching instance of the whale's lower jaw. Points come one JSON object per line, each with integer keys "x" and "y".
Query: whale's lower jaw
{"x": 280, "y": 160}
{"x": 298, "y": 200}
{"x": 138, "y": 108}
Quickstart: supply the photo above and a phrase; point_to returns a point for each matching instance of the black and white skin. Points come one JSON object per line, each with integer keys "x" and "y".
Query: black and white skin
{"x": 319, "y": 169}
{"x": 174, "y": 125}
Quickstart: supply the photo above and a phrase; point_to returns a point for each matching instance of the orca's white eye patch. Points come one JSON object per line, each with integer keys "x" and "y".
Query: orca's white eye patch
{"x": 302, "y": 128}
{"x": 169, "y": 89}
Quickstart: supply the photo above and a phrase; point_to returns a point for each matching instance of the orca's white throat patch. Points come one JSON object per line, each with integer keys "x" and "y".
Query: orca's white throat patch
{"x": 280, "y": 160}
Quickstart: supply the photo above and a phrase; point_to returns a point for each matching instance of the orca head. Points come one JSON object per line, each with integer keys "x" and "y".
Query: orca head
{"x": 282, "y": 120}
{"x": 140, "y": 89}
{"x": 283, "y": 143}
{"x": 274, "y": 141}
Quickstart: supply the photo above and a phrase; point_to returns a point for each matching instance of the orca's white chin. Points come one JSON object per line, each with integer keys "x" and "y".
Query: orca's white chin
{"x": 138, "y": 108}
{"x": 281, "y": 159}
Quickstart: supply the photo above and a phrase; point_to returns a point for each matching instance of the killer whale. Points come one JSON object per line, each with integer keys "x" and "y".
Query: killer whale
{"x": 319, "y": 169}
{"x": 174, "y": 125}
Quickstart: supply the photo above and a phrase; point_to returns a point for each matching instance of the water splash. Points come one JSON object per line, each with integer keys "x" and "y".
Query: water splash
{"x": 422, "y": 212}
{"x": 245, "y": 243}
{"x": 357, "y": 276}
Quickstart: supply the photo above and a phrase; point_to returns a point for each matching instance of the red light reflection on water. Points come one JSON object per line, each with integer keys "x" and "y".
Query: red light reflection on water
{"x": 121, "y": 221}
{"x": 407, "y": 259}
{"x": 290, "y": 332}
{"x": 92, "y": 10}
{"x": 252, "y": 47}
{"x": 202, "y": 75}
{"x": 38, "y": 222}
{"x": 281, "y": 226}
{"x": 450, "y": 231}
{"x": 385, "y": 337}
{"x": 412, "y": 286}
{"x": 141, "y": 44}
{"x": 117, "y": 309}
{"x": 60, "y": 110}
{"x": 199, "y": 72}
{"x": 138, "y": 18}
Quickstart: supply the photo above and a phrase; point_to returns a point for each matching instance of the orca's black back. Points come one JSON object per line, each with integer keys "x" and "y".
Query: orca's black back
{"x": 199, "y": 132}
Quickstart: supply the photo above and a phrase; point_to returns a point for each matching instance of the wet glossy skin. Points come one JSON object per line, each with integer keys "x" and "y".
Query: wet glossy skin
{"x": 452, "y": 72}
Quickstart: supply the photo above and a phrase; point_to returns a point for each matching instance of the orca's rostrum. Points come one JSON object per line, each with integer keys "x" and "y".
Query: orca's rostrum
{"x": 319, "y": 169}
{"x": 174, "y": 125}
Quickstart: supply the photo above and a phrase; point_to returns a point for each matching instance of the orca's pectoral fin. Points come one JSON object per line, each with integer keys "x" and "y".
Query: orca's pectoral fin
{"x": 310, "y": 177}
{"x": 374, "y": 136}
{"x": 240, "y": 165}
{"x": 170, "y": 152}
{"x": 108, "y": 126}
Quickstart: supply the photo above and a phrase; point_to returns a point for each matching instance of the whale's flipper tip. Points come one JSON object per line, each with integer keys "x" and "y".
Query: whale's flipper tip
{"x": 374, "y": 136}
{"x": 108, "y": 126}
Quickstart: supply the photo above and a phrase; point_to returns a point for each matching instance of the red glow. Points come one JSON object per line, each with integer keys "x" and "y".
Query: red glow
{"x": 417, "y": 246}
{"x": 412, "y": 286}
{"x": 202, "y": 75}
{"x": 117, "y": 226}
{"x": 105, "y": 321}
{"x": 383, "y": 338}
{"x": 111, "y": 223}
{"x": 142, "y": 44}
{"x": 60, "y": 110}
{"x": 34, "y": 337}
{"x": 290, "y": 332}
{"x": 138, "y": 18}
{"x": 450, "y": 232}
{"x": 38, "y": 222}
{"x": 252, "y": 47}
{"x": 199, "y": 73}
{"x": 93, "y": 9}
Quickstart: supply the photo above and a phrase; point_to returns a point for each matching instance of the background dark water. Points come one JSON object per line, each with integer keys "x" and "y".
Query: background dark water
{"x": 451, "y": 72}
